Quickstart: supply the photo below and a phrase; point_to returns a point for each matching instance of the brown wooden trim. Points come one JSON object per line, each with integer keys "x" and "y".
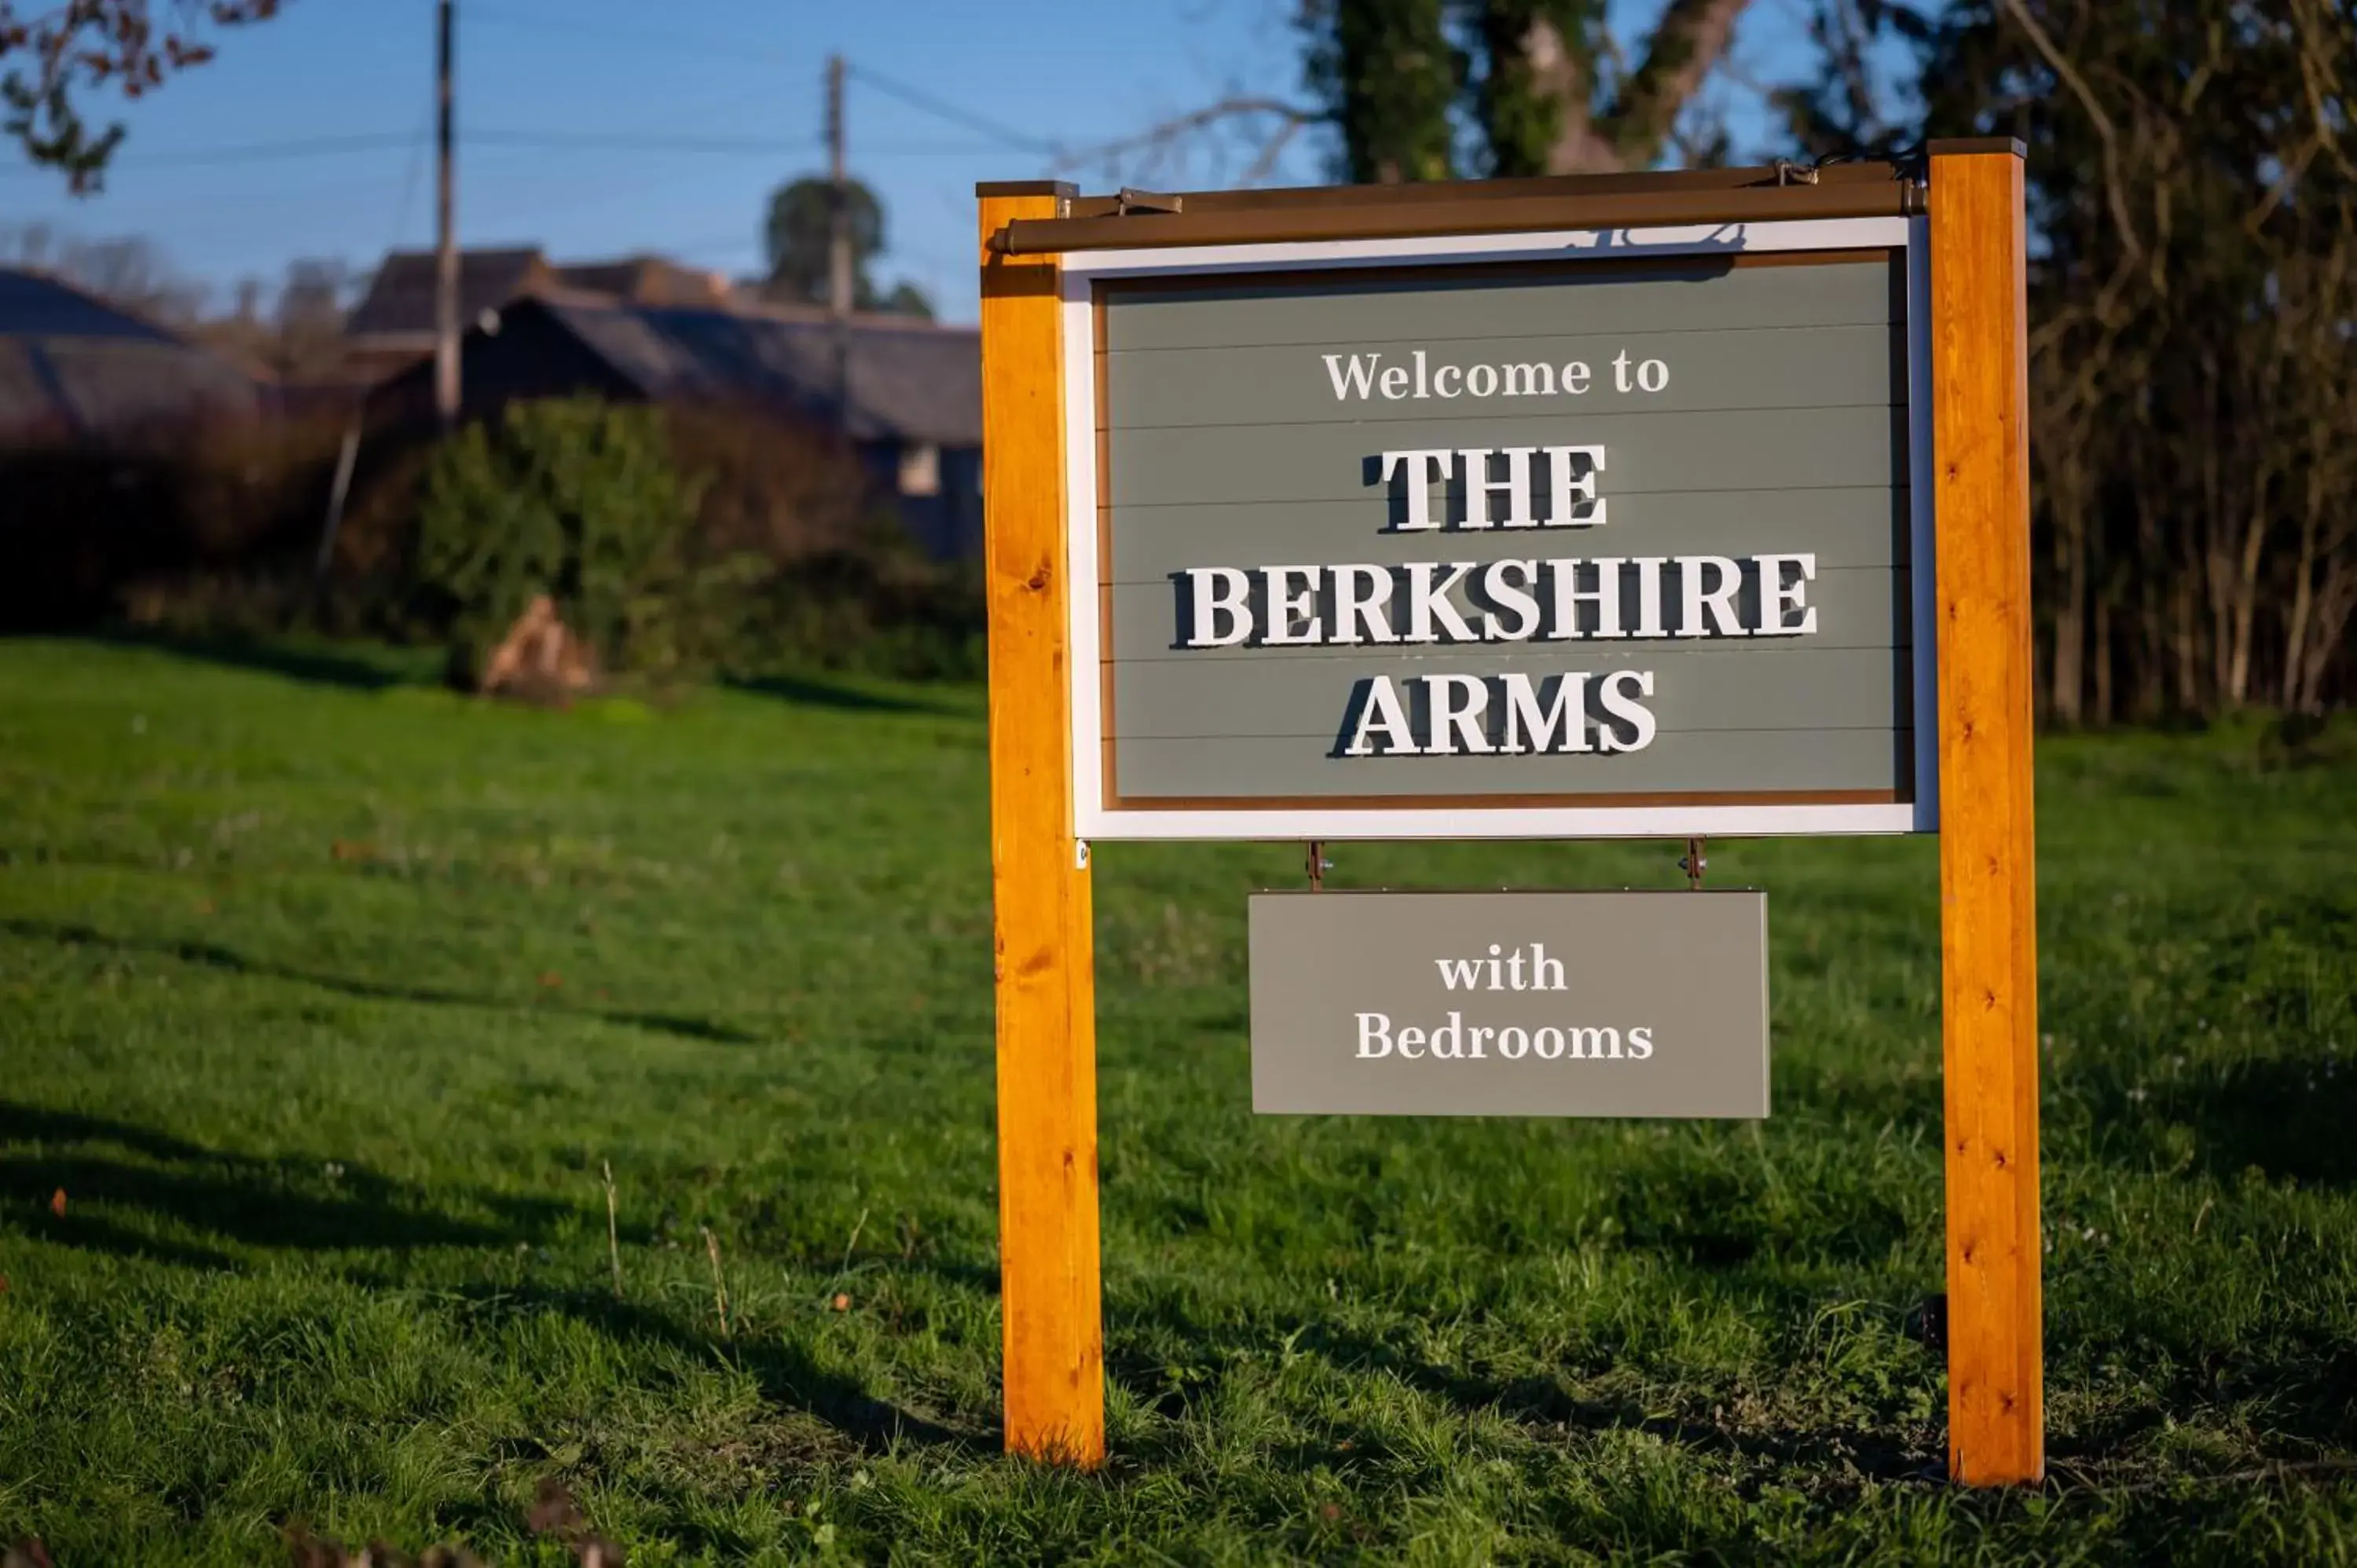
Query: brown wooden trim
{"x": 1507, "y": 802}
{"x": 1950, "y": 146}
{"x": 1060, "y": 190}
{"x": 1296, "y": 198}
{"x": 1417, "y": 214}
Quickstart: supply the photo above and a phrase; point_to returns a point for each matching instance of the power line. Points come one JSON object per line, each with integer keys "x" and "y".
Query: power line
{"x": 942, "y": 110}
{"x": 261, "y": 152}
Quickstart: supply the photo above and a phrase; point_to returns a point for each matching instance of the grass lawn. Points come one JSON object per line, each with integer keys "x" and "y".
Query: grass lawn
{"x": 327, "y": 999}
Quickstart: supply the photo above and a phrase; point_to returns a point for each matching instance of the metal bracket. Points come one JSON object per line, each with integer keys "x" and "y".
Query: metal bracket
{"x": 1788, "y": 172}
{"x": 1694, "y": 863}
{"x": 1318, "y": 866}
{"x": 1079, "y": 855}
{"x": 1129, "y": 200}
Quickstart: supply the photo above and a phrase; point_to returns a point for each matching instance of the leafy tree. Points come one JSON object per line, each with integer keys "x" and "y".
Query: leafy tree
{"x": 581, "y": 501}
{"x": 1542, "y": 86}
{"x": 797, "y": 235}
{"x": 78, "y": 45}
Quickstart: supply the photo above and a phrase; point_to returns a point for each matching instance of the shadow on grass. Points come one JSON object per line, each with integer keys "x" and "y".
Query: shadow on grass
{"x": 238, "y": 1198}
{"x": 807, "y": 692}
{"x": 2285, "y": 1117}
{"x": 210, "y": 956}
{"x": 314, "y": 666}
{"x": 785, "y": 1373}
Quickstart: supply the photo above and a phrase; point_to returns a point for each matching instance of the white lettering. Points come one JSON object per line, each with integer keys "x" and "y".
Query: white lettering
{"x": 1622, "y": 704}
{"x": 1426, "y": 602}
{"x": 1530, "y": 380}
{"x": 1458, "y": 702}
{"x": 1649, "y": 594}
{"x": 1359, "y": 591}
{"x": 1447, "y": 376}
{"x": 1458, "y": 973}
{"x": 1652, "y": 375}
{"x": 1605, "y": 596}
{"x": 1532, "y": 724}
{"x": 1586, "y": 511}
{"x": 1574, "y": 378}
{"x": 1211, "y": 603}
{"x": 1481, "y": 380}
{"x": 1719, "y": 601}
{"x": 1358, "y": 381}
{"x": 1286, "y": 606}
{"x": 1596, "y": 1040}
{"x": 1383, "y": 713}
{"x": 1641, "y": 1044}
{"x": 1396, "y": 382}
{"x": 1509, "y": 596}
{"x": 1422, "y": 468}
{"x": 1374, "y": 1028}
{"x": 1515, "y": 487}
{"x": 1779, "y": 595}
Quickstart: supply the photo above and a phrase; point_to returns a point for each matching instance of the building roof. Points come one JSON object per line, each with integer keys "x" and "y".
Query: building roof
{"x": 72, "y": 366}
{"x": 910, "y": 381}
{"x": 400, "y": 300}
{"x": 646, "y": 280}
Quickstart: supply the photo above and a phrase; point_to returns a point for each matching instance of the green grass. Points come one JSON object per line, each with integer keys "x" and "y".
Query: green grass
{"x": 326, "y": 997}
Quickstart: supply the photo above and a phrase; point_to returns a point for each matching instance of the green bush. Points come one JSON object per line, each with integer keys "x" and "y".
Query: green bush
{"x": 578, "y": 499}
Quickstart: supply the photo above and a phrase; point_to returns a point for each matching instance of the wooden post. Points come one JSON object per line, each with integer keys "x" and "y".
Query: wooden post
{"x": 1048, "y": 1260}
{"x": 1988, "y": 940}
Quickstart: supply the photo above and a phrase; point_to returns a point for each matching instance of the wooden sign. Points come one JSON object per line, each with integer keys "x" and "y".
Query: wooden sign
{"x": 1555, "y": 533}
{"x": 1662, "y": 505}
{"x": 1621, "y": 1003}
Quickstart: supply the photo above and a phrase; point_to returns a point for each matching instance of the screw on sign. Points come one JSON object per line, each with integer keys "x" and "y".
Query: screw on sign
{"x": 1339, "y": 565}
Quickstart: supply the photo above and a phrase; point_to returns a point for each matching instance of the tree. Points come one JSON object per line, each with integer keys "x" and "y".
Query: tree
{"x": 78, "y": 45}
{"x": 2192, "y": 200}
{"x": 798, "y": 236}
{"x": 1542, "y": 83}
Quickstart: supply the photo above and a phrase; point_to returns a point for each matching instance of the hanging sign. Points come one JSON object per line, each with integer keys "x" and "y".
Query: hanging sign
{"x": 1626, "y": 1003}
{"x": 1572, "y": 534}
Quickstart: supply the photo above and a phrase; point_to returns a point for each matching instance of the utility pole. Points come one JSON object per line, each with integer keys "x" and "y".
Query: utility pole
{"x": 445, "y": 232}
{"x": 838, "y": 240}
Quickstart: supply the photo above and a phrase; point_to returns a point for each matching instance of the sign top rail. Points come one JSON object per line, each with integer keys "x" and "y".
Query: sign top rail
{"x": 1862, "y": 189}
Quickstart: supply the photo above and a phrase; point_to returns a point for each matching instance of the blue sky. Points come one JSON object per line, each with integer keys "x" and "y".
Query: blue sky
{"x": 309, "y": 135}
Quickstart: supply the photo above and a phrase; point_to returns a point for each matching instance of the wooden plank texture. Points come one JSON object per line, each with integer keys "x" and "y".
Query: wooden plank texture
{"x": 1988, "y": 914}
{"x": 1047, "y": 1246}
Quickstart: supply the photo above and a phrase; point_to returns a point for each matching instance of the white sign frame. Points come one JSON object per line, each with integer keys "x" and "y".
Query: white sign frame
{"x": 1093, "y": 818}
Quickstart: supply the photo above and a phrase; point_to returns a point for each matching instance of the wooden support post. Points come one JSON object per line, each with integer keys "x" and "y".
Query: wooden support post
{"x": 1988, "y": 940}
{"x": 1052, "y": 1330}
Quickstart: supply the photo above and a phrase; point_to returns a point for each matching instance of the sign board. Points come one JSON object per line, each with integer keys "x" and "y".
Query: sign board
{"x": 1511, "y": 1004}
{"x": 1563, "y": 507}
{"x": 1530, "y": 536}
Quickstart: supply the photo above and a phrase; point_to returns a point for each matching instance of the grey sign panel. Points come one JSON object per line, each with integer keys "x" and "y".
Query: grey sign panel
{"x": 1510, "y": 1004}
{"x": 1318, "y": 492}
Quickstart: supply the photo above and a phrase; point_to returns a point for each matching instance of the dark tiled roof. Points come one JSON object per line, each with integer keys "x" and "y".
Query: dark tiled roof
{"x": 645, "y": 280}
{"x": 74, "y": 367}
{"x": 400, "y": 301}
{"x": 34, "y": 304}
{"x": 912, "y": 381}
